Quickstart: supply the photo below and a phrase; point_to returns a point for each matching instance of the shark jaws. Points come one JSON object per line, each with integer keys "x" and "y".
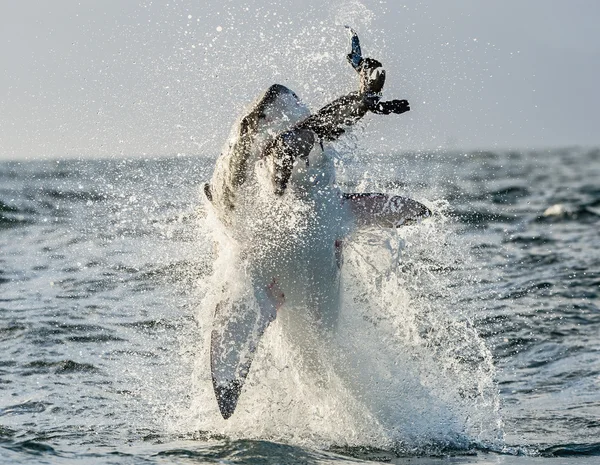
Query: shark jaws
{"x": 274, "y": 191}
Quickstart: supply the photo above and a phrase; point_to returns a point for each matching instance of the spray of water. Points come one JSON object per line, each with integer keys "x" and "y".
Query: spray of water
{"x": 403, "y": 369}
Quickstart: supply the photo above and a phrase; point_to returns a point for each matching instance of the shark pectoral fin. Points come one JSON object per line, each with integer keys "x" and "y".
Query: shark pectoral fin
{"x": 237, "y": 329}
{"x": 387, "y": 211}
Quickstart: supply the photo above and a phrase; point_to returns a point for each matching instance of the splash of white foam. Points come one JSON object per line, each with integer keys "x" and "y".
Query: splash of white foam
{"x": 404, "y": 369}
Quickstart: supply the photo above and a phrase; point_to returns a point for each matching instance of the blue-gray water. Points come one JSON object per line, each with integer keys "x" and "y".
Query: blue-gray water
{"x": 101, "y": 265}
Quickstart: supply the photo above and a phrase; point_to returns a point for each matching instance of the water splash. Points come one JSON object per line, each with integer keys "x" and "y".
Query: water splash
{"x": 404, "y": 369}
{"x": 353, "y": 13}
{"x": 423, "y": 368}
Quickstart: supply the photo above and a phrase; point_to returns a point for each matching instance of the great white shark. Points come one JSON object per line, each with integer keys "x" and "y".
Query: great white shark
{"x": 273, "y": 189}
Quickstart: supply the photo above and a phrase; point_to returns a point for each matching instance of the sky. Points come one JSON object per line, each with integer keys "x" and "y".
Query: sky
{"x": 113, "y": 78}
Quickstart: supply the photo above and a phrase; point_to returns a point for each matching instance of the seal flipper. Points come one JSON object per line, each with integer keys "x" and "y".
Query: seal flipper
{"x": 237, "y": 329}
{"x": 391, "y": 106}
{"x": 387, "y": 211}
{"x": 355, "y": 56}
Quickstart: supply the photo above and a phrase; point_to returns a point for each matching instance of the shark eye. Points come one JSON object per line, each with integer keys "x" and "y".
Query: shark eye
{"x": 261, "y": 116}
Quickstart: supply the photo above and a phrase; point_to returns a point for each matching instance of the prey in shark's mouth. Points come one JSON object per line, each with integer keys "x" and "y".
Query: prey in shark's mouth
{"x": 274, "y": 191}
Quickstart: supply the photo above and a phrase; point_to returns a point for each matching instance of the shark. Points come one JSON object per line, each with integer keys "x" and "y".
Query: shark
{"x": 274, "y": 192}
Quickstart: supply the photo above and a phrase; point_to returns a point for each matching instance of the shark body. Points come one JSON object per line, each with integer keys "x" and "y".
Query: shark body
{"x": 274, "y": 191}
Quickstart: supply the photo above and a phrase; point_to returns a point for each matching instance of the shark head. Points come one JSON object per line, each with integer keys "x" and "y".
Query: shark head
{"x": 275, "y": 111}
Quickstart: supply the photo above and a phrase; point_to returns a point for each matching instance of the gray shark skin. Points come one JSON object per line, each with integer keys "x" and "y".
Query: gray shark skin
{"x": 278, "y": 167}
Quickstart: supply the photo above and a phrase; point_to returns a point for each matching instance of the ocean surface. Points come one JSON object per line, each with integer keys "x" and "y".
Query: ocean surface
{"x": 471, "y": 338}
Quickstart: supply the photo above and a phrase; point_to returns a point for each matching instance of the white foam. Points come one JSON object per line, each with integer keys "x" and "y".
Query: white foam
{"x": 403, "y": 369}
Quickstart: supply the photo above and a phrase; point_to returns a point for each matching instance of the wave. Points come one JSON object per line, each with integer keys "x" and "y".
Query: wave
{"x": 58, "y": 367}
{"x": 571, "y": 450}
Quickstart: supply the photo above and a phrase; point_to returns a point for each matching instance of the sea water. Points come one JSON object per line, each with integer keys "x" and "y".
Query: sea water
{"x": 472, "y": 337}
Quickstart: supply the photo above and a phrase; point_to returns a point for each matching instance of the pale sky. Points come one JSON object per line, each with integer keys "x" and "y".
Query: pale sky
{"x": 115, "y": 78}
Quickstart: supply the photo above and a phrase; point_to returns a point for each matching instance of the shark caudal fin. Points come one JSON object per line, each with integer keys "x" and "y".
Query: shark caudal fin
{"x": 387, "y": 211}
{"x": 237, "y": 328}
